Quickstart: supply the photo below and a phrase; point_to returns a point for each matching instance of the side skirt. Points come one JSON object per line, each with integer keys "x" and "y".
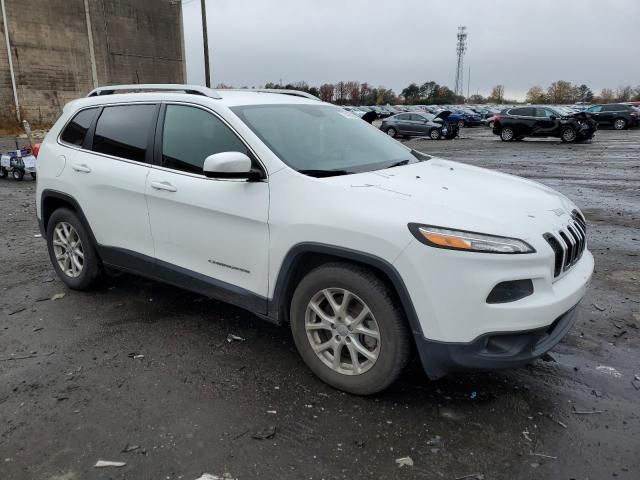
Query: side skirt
{"x": 132, "y": 262}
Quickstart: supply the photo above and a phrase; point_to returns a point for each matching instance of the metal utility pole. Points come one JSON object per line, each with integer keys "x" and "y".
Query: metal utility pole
{"x": 461, "y": 48}
{"x": 207, "y": 71}
{"x": 10, "y": 55}
{"x": 468, "y": 83}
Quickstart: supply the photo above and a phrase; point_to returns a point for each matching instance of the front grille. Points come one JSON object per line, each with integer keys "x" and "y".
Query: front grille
{"x": 568, "y": 243}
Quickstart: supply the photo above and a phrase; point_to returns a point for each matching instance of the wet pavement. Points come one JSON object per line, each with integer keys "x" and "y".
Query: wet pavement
{"x": 92, "y": 376}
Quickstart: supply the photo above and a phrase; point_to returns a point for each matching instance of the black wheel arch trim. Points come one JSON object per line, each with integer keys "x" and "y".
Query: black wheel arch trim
{"x": 285, "y": 277}
{"x": 47, "y": 194}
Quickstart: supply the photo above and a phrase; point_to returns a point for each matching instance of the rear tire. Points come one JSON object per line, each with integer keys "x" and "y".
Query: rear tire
{"x": 462, "y": 123}
{"x": 3, "y": 172}
{"x": 392, "y": 132}
{"x": 507, "y": 134}
{"x": 386, "y": 341}
{"x": 33, "y": 175}
{"x": 79, "y": 240}
{"x": 619, "y": 124}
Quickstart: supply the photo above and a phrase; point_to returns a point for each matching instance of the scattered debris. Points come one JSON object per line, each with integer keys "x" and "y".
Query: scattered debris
{"x": 17, "y": 310}
{"x": 404, "y": 461}
{"x": 107, "y": 463}
{"x": 555, "y": 420}
{"x": 208, "y": 476}
{"x": 548, "y": 358}
{"x": 130, "y": 448}
{"x": 435, "y": 441}
{"x": 473, "y": 476}
{"x": 37, "y": 329}
{"x": 587, "y": 412}
{"x": 636, "y": 382}
{"x": 37, "y": 235}
{"x": 135, "y": 355}
{"x": 272, "y": 412}
{"x": 234, "y": 338}
{"x": 543, "y": 455}
{"x": 473, "y": 395}
{"x": 33, "y": 355}
{"x": 609, "y": 371}
{"x": 598, "y": 307}
{"x": 266, "y": 433}
{"x": 525, "y": 434}
{"x": 359, "y": 443}
{"x": 57, "y": 296}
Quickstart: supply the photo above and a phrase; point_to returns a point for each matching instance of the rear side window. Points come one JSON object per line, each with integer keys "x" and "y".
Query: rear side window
{"x": 78, "y": 127}
{"x": 614, "y": 108}
{"x": 191, "y": 135}
{"x": 524, "y": 111}
{"x": 123, "y": 131}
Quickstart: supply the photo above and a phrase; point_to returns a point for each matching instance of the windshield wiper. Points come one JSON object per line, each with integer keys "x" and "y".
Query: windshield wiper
{"x": 324, "y": 173}
{"x": 399, "y": 164}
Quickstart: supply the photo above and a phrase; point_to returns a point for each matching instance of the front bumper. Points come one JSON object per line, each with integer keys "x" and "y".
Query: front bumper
{"x": 493, "y": 350}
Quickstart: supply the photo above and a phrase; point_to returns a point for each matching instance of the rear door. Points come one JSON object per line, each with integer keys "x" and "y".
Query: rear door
{"x": 523, "y": 119}
{"x": 107, "y": 174}
{"x": 608, "y": 114}
{"x": 403, "y": 122}
{"x": 213, "y": 232}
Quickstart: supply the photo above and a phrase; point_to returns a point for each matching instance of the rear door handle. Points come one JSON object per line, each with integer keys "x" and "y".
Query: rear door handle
{"x": 163, "y": 186}
{"x": 82, "y": 168}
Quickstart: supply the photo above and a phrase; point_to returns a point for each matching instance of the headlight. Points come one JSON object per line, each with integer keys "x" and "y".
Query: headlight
{"x": 440, "y": 237}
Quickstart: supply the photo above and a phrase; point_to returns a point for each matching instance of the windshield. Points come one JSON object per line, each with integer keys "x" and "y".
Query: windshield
{"x": 322, "y": 138}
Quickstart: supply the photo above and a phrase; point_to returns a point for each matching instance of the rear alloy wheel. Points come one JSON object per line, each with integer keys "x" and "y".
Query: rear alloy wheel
{"x": 491, "y": 124}
{"x": 461, "y": 123}
{"x": 435, "y": 134}
{"x": 620, "y": 124}
{"x": 71, "y": 250}
{"x": 392, "y": 132}
{"x": 507, "y": 134}
{"x": 348, "y": 328}
{"x": 568, "y": 134}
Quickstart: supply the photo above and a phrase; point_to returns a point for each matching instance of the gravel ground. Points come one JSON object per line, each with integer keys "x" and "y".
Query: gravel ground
{"x": 135, "y": 363}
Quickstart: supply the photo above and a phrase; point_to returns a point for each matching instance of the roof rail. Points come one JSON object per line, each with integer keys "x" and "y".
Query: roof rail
{"x": 283, "y": 91}
{"x": 175, "y": 87}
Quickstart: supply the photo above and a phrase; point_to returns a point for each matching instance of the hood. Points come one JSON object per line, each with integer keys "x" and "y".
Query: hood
{"x": 444, "y": 114}
{"x": 459, "y": 196}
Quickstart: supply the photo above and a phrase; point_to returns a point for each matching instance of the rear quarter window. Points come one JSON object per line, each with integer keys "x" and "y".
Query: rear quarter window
{"x": 76, "y": 130}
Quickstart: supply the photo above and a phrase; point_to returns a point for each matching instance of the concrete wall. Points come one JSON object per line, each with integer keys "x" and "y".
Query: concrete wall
{"x": 135, "y": 41}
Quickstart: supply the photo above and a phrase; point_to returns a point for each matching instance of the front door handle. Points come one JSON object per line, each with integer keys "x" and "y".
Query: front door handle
{"x": 166, "y": 186}
{"x": 81, "y": 167}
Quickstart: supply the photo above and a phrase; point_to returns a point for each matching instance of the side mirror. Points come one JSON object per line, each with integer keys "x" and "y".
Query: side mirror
{"x": 230, "y": 165}
{"x": 552, "y": 118}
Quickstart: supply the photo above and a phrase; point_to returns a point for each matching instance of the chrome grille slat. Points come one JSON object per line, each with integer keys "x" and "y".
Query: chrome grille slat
{"x": 568, "y": 243}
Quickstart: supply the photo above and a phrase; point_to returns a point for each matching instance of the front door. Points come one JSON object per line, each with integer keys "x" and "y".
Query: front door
{"x": 213, "y": 232}
{"x": 546, "y": 122}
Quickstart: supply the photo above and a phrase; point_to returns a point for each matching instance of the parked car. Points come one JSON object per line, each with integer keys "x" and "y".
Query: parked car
{"x": 285, "y": 206}
{"x": 414, "y": 125}
{"x": 520, "y": 122}
{"x": 617, "y": 115}
{"x": 467, "y": 118}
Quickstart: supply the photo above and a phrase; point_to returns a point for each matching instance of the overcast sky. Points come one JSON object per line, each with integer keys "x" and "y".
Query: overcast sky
{"x": 393, "y": 43}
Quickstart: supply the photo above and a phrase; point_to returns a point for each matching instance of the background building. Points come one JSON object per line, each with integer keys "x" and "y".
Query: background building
{"x": 61, "y": 49}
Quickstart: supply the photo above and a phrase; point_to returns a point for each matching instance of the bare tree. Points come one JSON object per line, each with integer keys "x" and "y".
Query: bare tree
{"x": 624, "y": 93}
{"x": 326, "y": 92}
{"x": 607, "y": 95}
{"x": 353, "y": 92}
{"x": 497, "y": 94}
{"x": 536, "y": 95}
{"x": 341, "y": 92}
{"x": 561, "y": 92}
{"x": 365, "y": 93}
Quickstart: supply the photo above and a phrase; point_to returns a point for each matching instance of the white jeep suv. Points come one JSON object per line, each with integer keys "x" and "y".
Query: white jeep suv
{"x": 301, "y": 213}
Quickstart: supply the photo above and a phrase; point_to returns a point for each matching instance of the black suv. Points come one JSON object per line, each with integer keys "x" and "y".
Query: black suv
{"x": 618, "y": 115}
{"x": 520, "y": 122}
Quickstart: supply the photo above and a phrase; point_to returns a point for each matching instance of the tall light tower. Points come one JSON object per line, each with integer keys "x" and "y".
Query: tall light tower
{"x": 461, "y": 48}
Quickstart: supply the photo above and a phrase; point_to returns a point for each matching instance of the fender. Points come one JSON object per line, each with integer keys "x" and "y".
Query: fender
{"x": 48, "y": 193}
{"x": 278, "y": 302}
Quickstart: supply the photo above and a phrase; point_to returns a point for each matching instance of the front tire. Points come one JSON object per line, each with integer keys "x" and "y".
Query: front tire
{"x": 507, "y": 134}
{"x": 17, "y": 174}
{"x": 349, "y": 329}
{"x": 461, "y": 123}
{"x": 568, "y": 135}
{"x": 3, "y": 172}
{"x": 435, "y": 134}
{"x": 71, "y": 251}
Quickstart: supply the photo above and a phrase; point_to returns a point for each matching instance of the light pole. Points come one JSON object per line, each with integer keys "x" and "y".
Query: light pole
{"x": 207, "y": 71}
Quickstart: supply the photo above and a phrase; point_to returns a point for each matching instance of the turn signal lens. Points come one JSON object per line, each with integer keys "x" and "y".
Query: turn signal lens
{"x": 446, "y": 240}
{"x": 440, "y": 237}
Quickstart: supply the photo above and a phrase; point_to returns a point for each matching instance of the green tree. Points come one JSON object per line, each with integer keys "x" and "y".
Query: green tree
{"x": 497, "y": 94}
{"x": 584, "y": 94}
{"x": 411, "y": 94}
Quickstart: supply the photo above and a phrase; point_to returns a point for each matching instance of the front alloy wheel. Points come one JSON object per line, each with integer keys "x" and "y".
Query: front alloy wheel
{"x": 342, "y": 331}
{"x": 568, "y": 135}
{"x": 620, "y": 124}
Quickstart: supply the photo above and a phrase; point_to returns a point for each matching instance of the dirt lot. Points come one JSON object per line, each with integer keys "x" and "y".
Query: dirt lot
{"x": 136, "y": 363}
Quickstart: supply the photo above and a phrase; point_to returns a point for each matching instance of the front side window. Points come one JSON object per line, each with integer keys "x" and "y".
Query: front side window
{"x": 123, "y": 131}
{"x": 545, "y": 113}
{"x": 78, "y": 127}
{"x": 191, "y": 135}
{"x": 596, "y": 109}
{"x": 323, "y": 140}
